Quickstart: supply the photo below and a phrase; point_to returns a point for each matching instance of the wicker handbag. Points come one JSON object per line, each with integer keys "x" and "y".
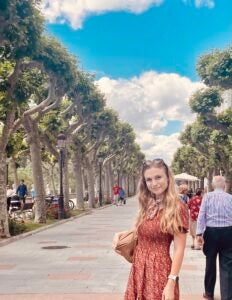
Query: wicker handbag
{"x": 126, "y": 244}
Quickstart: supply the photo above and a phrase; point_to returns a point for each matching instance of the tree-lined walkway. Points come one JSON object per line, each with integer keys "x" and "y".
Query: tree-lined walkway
{"x": 87, "y": 268}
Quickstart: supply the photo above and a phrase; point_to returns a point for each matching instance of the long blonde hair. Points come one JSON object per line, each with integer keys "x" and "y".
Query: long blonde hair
{"x": 170, "y": 218}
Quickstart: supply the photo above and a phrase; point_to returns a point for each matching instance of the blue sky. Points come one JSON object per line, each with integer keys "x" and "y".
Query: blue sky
{"x": 167, "y": 38}
{"x": 130, "y": 50}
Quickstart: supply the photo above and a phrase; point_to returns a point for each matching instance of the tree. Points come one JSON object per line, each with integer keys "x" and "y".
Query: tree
{"x": 214, "y": 146}
{"x": 61, "y": 70}
{"x": 215, "y": 70}
{"x": 204, "y": 102}
{"x": 190, "y": 160}
{"x": 20, "y": 29}
{"x": 21, "y": 25}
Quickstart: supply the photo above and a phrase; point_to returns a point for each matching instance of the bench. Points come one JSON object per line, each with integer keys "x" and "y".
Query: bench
{"x": 28, "y": 206}
{"x": 24, "y": 213}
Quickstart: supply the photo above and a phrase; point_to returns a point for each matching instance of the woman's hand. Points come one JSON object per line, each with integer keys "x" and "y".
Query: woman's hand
{"x": 169, "y": 290}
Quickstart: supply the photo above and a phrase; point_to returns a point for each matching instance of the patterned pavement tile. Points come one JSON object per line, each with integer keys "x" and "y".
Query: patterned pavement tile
{"x": 189, "y": 267}
{"x": 70, "y": 276}
{"x": 47, "y": 242}
{"x": 7, "y": 267}
{"x": 195, "y": 297}
{"x": 82, "y": 258}
{"x": 81, "y": 234}
{"x": 63, "y": 297}
{"x": 91, "y": 246}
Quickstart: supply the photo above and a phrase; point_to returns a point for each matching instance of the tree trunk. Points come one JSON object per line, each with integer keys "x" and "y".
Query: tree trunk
{"x": 97, "y": 181}
{"x": 216, "y": 172}
{"x": 108, "y": 186}
{"x": 77, "y": 168}
{"x": 210, "y": 178}
{"x": 90, "y": 181}
{"x": 54, "y": 189}
{"x": 37, "y": 172}
{"x": 14, "y": 171}
{"x": 112, "y": 180}
{"x": 228, "y": 176}
{"x": 5, "y": 132}
{"x": 135, "y": 183}
{"x": 128, "y": 185}
{"x": 124, "y": 182}
{"x": 202, "y": 183}
{"x": 103, "y": 186}
{"x": 4, "y": 226}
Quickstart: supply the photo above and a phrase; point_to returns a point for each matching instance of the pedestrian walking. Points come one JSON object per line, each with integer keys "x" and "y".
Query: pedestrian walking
{"x": 22, "y": 192}
{"x": 162, "y": 218}
{"x": 122, "y": 195}
{"x": 115, "y": 193}
{"x": 214, "y": 231}
{"x": 9, "y": 193}
{"x": 194, "y": 205}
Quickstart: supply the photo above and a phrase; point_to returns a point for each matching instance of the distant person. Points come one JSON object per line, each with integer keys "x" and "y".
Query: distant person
{"x": 122, "y": 196}
{"x": 86, "y": 196}
{"x": 194, "y": 205}
{"x": 115, "y": 193}
{"x": 214, "y": 231}
{"x": 190, "y": 193}
{"x": 33, "y": 192}
{"x": 15, "y": 202}
{"x": 22, "y": 191}
{"x": 9, "y": 193}
{"x": 183, "y": 189}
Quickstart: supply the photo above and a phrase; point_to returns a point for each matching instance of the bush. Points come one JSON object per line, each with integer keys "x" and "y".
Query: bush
{"x": 52, "y": 212}
{"x": 16, "y": 227}
{"x": 67, "y": 214}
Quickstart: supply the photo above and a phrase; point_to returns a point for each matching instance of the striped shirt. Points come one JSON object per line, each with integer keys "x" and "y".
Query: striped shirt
{"x": 215, "y": 211}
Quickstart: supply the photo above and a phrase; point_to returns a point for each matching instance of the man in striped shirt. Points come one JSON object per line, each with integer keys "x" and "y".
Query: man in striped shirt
{"x": 214, "y": 231}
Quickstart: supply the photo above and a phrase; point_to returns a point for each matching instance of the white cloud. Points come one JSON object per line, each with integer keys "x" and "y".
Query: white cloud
{"x": 201, "y": 3}
{"x": 207, "y": 3}
{"x": 75, "y": 11}
{"x": 159, "y": 146}
{"x": 148, "y": 102}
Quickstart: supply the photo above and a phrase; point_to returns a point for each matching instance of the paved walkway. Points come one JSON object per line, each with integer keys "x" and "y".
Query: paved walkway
{"x": 86, "y": 268}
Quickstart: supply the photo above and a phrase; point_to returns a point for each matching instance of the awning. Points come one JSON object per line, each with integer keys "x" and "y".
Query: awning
{"x": 185, "y": 176}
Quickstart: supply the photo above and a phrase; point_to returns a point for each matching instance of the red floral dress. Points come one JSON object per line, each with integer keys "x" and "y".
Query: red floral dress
{"x": 194, "y": 207}
{"x": 152, "y": 261}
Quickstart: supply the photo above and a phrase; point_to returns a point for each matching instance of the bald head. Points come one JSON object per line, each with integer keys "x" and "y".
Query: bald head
{"x": 219, "y": 182}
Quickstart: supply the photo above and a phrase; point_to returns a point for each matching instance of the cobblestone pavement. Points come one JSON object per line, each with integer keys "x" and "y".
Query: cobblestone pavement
{"x": 80, "y": 264}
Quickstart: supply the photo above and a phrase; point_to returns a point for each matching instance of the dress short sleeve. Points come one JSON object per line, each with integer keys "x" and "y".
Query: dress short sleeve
{"x": 184, "y": 216}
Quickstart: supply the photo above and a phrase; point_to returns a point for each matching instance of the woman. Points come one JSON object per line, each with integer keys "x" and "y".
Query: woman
{"x": 162, "y": 218}
{"x": 194, "y": 205}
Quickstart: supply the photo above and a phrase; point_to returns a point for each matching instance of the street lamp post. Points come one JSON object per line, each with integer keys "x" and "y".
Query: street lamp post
{"x": 61, "y": 143}
{"x": 100, "y": 159}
